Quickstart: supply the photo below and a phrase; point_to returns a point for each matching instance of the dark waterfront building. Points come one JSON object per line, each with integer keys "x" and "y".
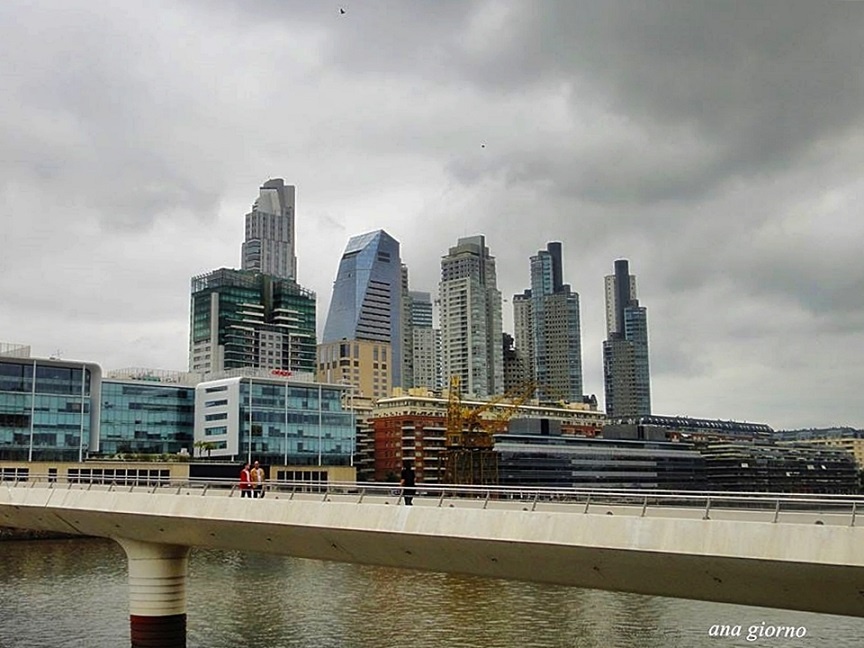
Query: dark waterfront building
{"x": 779, "y": 468}
{"x": 684, "y": 428}
{"x": 534, "y": 452}
{"x": 241, "y": 319}
{"x": 626, "y": 372}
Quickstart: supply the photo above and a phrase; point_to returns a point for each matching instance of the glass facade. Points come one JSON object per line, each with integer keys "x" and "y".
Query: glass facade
{"x": 367, "y": 296}
{"x": 140, "y": 417}
{"x": 296, "y": 424}
{"x": 46, "y": 409}
{"x": 579, "y": 462}
{"x": 275, "y": 421}
{"x": 246, "y": 319}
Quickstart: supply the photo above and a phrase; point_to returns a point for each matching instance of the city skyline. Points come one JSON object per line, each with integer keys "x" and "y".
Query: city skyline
{"x": 723, "y": 166}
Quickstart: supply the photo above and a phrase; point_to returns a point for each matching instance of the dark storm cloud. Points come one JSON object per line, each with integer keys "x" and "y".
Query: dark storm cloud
{"x": 733, "y": 88}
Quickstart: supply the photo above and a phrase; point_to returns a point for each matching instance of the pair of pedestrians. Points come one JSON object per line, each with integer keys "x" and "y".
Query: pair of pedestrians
{"x": 252, "y": 481}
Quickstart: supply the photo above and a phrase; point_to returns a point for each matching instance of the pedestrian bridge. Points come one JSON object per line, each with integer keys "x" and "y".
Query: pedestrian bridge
{"x": 795, "y": 552}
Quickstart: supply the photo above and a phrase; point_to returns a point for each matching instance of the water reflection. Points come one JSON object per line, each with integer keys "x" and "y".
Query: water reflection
{"x": 73, "y": 593}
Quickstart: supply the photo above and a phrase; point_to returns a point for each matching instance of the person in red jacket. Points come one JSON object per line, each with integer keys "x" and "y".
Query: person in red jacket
{"x": 245, "y": 482}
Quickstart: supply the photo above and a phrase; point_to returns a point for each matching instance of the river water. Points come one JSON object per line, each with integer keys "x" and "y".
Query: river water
{"x": 70, "y": 593}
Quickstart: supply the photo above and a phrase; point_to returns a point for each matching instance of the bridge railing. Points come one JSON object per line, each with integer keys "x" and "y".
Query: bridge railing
{"x": 706, "y": 505}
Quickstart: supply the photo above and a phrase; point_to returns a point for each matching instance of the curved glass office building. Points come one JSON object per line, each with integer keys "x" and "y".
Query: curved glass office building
{"x": 367, "y": 296}
{"x": 49, "y": 409}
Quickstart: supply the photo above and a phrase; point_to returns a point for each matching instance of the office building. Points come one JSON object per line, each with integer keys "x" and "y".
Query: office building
{"x": 241, "y": 318}
{"x": 425, "y": 342}
{"x": 535, "y": 452}
{"x": 552, "y": 343}
{"x": 470, "y": 319}
{"x": 49, "y": 408}
{"x": 367, "y": 297}
{"x": 274, "y": 420}
{"x": 625, "y": 351}
{"x": 269, "y": 246}
{"x": 147, "y": 412}
{"x": 785, "y": 467}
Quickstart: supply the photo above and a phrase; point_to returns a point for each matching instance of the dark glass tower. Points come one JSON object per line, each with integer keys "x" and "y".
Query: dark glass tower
{"x": 625, "y": 351}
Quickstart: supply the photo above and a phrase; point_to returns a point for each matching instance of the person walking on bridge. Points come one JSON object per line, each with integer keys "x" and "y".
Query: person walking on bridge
{"x": 245, "y": 482}
{"x": 407, "y": 483}
{"x": 257, "y": 480}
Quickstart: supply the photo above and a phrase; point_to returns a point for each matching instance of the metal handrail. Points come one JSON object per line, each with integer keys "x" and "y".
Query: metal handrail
{"x": 599, "y": 499}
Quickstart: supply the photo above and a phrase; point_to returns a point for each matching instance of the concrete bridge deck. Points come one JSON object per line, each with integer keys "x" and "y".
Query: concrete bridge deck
{"x": 803, "y": 553}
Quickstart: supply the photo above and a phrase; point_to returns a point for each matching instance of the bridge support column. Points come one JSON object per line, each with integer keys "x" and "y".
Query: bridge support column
{"x": 157, "y": 593}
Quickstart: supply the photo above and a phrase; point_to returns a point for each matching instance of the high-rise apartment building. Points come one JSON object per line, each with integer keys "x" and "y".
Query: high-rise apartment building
{"x": 407, "y": 371}
{"x": 426, "y": 342}
{"x": 367, "y": 297}
{"x": 546, "y": 322}
{"x": 241, "y": 318}
{"x": 269, "y": 247}
{"x": 470, "y": 319}
{"x": 625, "y": 351}
{"x": 363, "y": 364}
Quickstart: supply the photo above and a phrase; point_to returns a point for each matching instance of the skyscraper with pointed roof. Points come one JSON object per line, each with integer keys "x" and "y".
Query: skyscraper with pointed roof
{"x": 367, "y": 297}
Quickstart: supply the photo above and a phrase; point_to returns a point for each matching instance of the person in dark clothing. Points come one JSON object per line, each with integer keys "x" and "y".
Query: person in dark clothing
{"x": 407, "y": 483}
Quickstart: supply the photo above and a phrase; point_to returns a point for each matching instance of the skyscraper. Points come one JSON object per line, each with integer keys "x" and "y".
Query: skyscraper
{"x": 269, "y": 247}
{"x": 552, "y": 343}
{"x": 367, "y": 296}
{"x": 258, "y": 316}
{"x": 241, "y": 318}
{"x": 470, "y": 318}
{"x": 426, "y": 342}
{"x": 625, "y": 351}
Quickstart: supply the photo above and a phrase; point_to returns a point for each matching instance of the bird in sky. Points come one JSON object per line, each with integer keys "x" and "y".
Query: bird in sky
{"x": 341, "y": 10}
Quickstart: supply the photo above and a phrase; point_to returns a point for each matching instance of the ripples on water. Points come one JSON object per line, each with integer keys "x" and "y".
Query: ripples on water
{"x": 73, "y": 593}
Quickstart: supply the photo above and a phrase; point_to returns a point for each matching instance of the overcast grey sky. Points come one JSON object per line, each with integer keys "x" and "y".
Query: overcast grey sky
{"x": 717, "y": 145}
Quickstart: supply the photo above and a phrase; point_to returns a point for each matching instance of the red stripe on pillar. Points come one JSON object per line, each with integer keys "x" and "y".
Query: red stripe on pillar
{"x": 159, "y": 631}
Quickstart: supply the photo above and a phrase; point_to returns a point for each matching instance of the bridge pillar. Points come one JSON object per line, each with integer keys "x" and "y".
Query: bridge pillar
{"x": 157, "y": 593}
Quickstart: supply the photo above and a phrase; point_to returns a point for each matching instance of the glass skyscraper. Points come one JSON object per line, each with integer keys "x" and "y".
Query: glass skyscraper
{"x": 626, "y": 373}
{"x": 241, "y": 318}
{"x": 554, "y": 334}
{"x": 367, "y": 296}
